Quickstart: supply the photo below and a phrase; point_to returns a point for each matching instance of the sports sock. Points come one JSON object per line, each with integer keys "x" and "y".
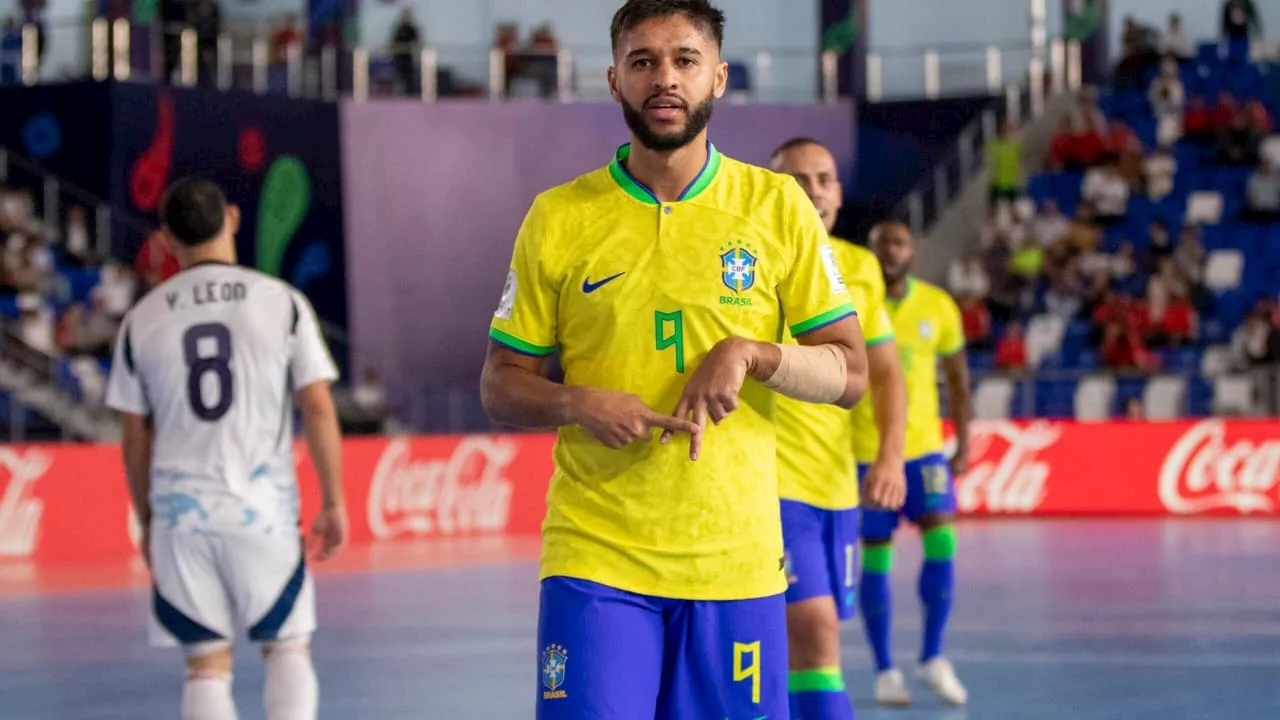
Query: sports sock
{"x": 876, "y": 602}
{"x": 207, "y": 696}
{"x": 937, "y": 579}
{"x": 819, "y": 695}
{"x": 292, "y": 692}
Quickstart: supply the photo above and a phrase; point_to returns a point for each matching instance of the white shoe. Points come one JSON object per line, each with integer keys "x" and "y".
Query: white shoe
{"x": 891, "y": 688}
{"x": 940, "y": 676}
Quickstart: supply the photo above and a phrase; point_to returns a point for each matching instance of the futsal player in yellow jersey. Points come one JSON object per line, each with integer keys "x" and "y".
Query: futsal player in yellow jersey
{"x": 817, "y": 471}
{"x": 927, "y": 329}
{"x": 665, "y": 280}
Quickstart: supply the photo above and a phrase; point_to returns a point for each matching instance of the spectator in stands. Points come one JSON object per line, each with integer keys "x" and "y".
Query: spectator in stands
{"x": 1238, "y": 142}
{"x": 975, "y": 318}
{"x": 1085, "y": 235}
{"x": 1050, "y": 227}
{"x": 1259, "y": 117}
{"x": 286, "y": 36}
{"x": 1262, "y": 195}
{"x": 1197, "y": 121}
{"x": 29, "y": 264}
{"x": 86, "y": 332}
{"x": 1163, "y": 284}
{"x": 1107, "y": 193}
{"x": 1257, "y": 341}
{"x": 1179, "y": 324}
{"x": 1168, "y": 100}
{"x": 75, "y": 239}
{"x": 1240, "y": 22}
{"x": 1174, "y": 43}
{"x": 35, "y": 325}
{"x": 1005, "y": 287}
{"x": 116, "y": 289}
{"x": 967, "y": 277}
{"x": 1139, "y": 51}
{"x": 1011, "y": 351}
{"x": 1123, "y": 349}
{"x": 205, "y": 17}
{"x": 1064, "y": 297}
{"x": 1159, "y": 246}
{"x": 406, "y": 42}
{"x": 1027, "y": 261}
{"x": 155, "y": 262}
{"x": 1004, "y": 157}
{"x": 1159, "y": 170}
{"x": 1190, "y": 258}
{"x": 1124, "y": 266}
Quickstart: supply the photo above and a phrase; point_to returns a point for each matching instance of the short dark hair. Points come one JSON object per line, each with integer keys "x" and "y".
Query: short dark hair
{"x": 193, "y": 211}
{"x": 793, "y": 143}
{"x": 708, "y": 18}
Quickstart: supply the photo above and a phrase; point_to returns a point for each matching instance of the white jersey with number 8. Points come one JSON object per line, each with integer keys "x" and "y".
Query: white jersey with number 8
{"x": 213, "y": 355}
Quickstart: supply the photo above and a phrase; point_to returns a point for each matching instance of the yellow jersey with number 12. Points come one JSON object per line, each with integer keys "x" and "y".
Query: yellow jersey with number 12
{"x": 926, "y": 327}
{"x": 816, "y": 465}
{"x": 634, "y": 293}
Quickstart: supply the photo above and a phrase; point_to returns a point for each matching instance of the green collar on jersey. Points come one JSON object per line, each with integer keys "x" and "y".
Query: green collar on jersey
{"x": 894, "y": 301}
{"x": 637, "y": 190}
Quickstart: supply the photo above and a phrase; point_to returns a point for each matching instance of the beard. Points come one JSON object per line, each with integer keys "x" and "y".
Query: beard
{"x": 898, "y": 273}
{"x": 698, "y": 118}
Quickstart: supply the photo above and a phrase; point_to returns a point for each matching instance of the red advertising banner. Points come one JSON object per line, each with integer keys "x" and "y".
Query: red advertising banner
{"x": 67, "y": 504}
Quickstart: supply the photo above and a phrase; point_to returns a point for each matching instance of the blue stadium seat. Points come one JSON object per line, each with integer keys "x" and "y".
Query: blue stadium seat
{"x": 9, "y": 307}
{"x": 81, "y": 281}
{"x": 1055, "y": 398}
{"x": 1199, "y": 397}
{"x": 1127, "y": 389}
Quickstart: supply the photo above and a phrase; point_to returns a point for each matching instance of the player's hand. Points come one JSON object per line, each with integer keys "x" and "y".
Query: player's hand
{"x": 960, "y": 462}
{"x": 328, "y": 533}
{"x": 619, "y": 419}
{"x": 712, "y": 390}
{"x": 885, "y": 486}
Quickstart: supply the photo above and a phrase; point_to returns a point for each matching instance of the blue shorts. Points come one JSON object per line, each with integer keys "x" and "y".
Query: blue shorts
{"x": 930, "y": 489}
{"x": 607, "y": 654}
{"x": 822, "y": 558}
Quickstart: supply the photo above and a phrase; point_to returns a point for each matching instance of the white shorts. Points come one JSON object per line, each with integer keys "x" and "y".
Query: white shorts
{"x": 210, "y": 587}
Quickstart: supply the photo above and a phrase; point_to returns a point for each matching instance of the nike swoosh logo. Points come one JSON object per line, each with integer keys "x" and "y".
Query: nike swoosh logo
{"x": 589, "y": 287}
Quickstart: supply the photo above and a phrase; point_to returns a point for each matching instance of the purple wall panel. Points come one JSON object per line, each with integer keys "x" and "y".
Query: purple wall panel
{"x": 434, "y": 195}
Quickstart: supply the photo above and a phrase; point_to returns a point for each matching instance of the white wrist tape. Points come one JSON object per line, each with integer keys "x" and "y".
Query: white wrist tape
{"x": 816, "y": 374}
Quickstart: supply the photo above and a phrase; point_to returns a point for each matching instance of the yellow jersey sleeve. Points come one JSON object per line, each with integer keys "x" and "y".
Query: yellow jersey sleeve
{"x": 815, "y": 444}
{"x": 525, "y": 320}
{"x": 812, "y": 293}
{"x": 866, "y": 286}
{"x": 950, "y": 326}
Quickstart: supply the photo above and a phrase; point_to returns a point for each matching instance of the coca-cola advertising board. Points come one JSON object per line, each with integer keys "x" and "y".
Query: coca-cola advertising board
{"x": 68, "y": 504}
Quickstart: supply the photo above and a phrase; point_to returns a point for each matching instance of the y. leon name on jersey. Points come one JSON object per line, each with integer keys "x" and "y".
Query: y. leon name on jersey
{"x": 210, "y": 292}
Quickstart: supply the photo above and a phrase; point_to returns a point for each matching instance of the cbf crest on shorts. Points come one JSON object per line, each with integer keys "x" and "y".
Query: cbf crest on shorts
{"x": 553, "y": 660}
{"x": 738, "y": 268}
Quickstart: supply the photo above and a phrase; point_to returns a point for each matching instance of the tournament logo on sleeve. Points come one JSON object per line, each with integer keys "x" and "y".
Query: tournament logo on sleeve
{"x": 508, "y": 301}
{"x": 553, "y": 661}
{"x": 832, "y": 269}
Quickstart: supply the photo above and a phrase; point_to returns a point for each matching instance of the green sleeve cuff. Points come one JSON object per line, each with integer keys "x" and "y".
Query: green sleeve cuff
{"x": 512, "y": 342}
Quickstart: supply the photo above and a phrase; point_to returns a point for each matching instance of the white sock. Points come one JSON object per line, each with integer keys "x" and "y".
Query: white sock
{"x": 292, "y": 691}
{"x": 207, "y": 696}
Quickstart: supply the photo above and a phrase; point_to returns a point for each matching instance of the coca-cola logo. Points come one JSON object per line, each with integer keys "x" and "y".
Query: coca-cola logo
{"x": 467, "y": 492}
{"x": 20, "y": 510}
{"x": 1203, "y": 472}
{"x": 1005, "y": 475}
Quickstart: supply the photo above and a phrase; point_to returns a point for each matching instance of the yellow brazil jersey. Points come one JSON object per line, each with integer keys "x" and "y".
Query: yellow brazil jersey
{"x": 634, "y": 293}
{"x": 816, "y": 465}
{"x": 926, "y": 327}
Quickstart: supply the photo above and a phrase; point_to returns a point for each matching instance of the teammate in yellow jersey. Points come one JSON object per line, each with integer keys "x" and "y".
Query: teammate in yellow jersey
{"x": 665, "y": 280}
{"x": 926, "y": 325}
{"x": 817, "y": 471}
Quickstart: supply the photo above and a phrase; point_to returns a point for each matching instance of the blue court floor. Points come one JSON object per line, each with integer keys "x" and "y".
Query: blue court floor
{"x": 1053, "y": 620}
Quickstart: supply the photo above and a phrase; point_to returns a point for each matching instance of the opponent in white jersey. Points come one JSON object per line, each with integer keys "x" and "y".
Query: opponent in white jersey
{"x": 206, "y": 367}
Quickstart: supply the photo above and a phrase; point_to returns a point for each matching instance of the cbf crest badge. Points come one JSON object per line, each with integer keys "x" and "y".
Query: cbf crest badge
{"x": 738, "y": 267}
{"x": 553, "y": 661}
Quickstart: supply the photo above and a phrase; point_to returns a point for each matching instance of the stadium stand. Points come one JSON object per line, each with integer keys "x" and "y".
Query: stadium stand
{"x": 1142, "y": 268}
